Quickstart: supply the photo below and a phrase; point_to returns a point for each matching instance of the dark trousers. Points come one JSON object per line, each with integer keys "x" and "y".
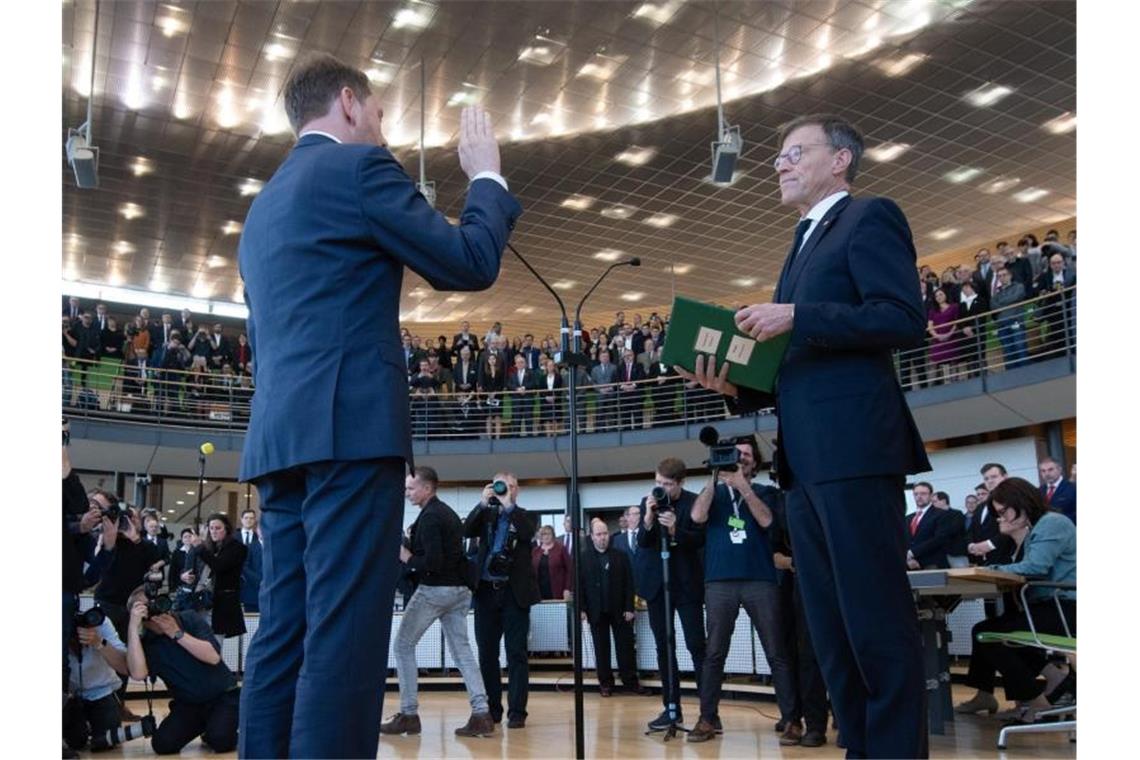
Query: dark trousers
{"x": 216, "y": 721}
{"x": 84, "y": 718}
{"x": 849, "y": 541}
{"x": 693, "y": 625}
{"x": 70, "y": 607}
{"x": 631, "y": 406}
{"x": 1019, "y": 666}
{"x": 120, "y": 618}
{"x": 622, "y": 629}
{"x": 499, "y": 617}
{"x": 314, "y": 675}
{"x": 761, "y": 602}
{"x": 811, "y": 694}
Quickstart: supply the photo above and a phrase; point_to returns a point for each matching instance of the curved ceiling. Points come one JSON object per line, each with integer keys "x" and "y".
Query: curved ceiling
{"x": 605, "y": 110}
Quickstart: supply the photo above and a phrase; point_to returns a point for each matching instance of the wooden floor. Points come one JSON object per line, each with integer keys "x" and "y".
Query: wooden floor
{"x": 615, "y": 728}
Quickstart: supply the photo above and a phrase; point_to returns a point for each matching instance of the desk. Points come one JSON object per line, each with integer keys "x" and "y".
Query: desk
{"x": 937, "y": 593}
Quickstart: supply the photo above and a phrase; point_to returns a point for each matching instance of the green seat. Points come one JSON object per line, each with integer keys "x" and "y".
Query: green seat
{"x": 1026, "y": 638}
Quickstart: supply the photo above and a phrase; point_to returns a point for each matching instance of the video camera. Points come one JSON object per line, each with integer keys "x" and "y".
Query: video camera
{"x": 723, "y": 455}
{"x": 113, "y": 737}
{"x": 661, "y": 497}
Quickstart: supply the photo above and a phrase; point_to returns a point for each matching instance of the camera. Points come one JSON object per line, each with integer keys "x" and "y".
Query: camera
{"x": 157, "y": 603}
{"x": 113, "y": 737}
{"x": 500, "y": 488}
{"x": 723, "y": 455}
{"x": 661, "y": 496}
{"x": 502, "y": 560}
{"x": 90, "y": 618}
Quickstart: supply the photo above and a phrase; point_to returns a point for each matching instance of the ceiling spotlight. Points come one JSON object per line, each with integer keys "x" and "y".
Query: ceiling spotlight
{"x": 525, "y": 310}
{"x": 661, "y": 220}
{"x": 563, "y": 284}
{"x": 540, "y": 55}
{"x": 965, "y": 174}
{"x": 601, "y": 67}
{"x": 1030, "y": 194}
{"x": 945, "y": 233}
{"x": 231, "y": 228}
{"x": 609, "y": 254}
{"x": 123, "y": 248}
{"x": 678, "y": 268}
{"x": 618, "y": 211}
{"x": 987, "y": 95}
{"x": 413, "y": 17}
{"x": 250, "y": 187}
{"x": 887, "y": 151}
{"x": 278, "y": 52}
{"x": 901, "y": 65}
{"x": 635, "y": 155}
{"x": 216, "y": 261}
{"x": 999, "y": 185}
{"x": 201, "y": 290}
{"x": 578, "y": 202}
{"x": 744, "y": 282}
{"x": 131, "y": 211}
{"x": 380, "y": 72}
{"x": 1066, "y": 122}
{"x": 632, "y": 296}
{"x": 140, "y": 167}
{"x": 171, "y": 26}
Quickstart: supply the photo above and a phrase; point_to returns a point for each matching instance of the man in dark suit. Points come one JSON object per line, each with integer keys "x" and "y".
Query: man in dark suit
{"x": 465, "y": 337}
{"x": 519, "y": 382}
{"x": 328, "y": 444}
{"x": 1057, "y": 309}
{"x": 630, "y": 398}
{"x": 607, "y": 604}
{"x": 972, "y": 305}
{"x": 507, "y": 589}
{"x": 988, "y": 545}
{"x": 251, "y": 570}
{"x": 180, "y": 560}
{"x": 152, "y": 534}
{"x": 604, "y": 376}
{"x": 1058, "y": 492}
{"x": 952, "y": 529}
{"x": 531, "y": 354}
{"x": 926, "y": 549}
{"x": 847, "y": 439}
{"x": 686, "y": 577}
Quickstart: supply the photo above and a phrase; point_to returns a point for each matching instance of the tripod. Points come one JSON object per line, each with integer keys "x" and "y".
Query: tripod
{"x": 670, "y": 644}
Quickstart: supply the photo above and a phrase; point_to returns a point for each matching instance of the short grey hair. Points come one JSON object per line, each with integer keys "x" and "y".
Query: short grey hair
{"x": 841, "y": 135}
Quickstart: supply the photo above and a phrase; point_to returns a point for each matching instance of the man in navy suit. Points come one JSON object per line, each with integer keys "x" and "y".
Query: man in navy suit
{"x": 927, "y": 545}
{"x": 1059, "y": 494}
{"x": 251, "y": 569}
{"x": 322, "y": 254}
{"x": 847, "y": 439}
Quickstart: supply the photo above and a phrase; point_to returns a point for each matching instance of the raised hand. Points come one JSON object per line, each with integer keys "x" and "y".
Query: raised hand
{"x": 478, "y": 148}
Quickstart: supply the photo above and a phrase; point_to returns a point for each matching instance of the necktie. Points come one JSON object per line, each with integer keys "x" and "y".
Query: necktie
{"x": 801, "y": 232}
{"x": 914, "y": 522}
{"x": 1049, "y": 495}
{"x": 632, "y": 543}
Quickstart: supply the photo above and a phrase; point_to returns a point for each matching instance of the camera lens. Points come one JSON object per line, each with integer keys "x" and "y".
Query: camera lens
{"x": 499, "y": 487}
{"x": 659, "y": 495}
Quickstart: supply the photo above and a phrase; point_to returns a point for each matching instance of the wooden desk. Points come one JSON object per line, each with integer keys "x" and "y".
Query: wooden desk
{"x": 937, "y": 593}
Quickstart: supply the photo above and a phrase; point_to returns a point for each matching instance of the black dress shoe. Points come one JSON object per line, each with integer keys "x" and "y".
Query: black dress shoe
{"x": 662, "y": 722}
{"x": 717, "y": 725}
{"x": 606, "y": 691}
{"x": 516, "y": 722}
{"x": 640, "y": 690}
{"x": 781, "y": 724}
{"x": 813, "y": 738}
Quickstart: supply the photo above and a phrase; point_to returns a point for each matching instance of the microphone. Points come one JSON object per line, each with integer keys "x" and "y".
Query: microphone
{"x": 206, "y": 449}
{"x": 634, "y": 262}
{"x": 709, "y": 436}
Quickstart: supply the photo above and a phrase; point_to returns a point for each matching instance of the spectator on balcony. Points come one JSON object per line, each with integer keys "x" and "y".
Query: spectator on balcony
{"x": 530, "y": 353}
{"x": 664, "y": 382}
{"x": 424, "y": 389}
{"x": 551, "y": 398}
{"x": 640, "y": 335}
{"x": 88, "y": 346}
{"x": 615, "y": 328}
{"x": 101, "y": 316}
{"x": 495, "y": 346}
{"x": 137, "y": 373}
{"x": 442, "y": 375}
{"x": 443, "y": 353}
{"x": 983, "y": 273}
{"x": 630, "y": 399}
{"x": 1025, "y": 262}
{"x": 174, "y": 361}
{"x": 552, "y": 565}
{"x": 492, "y": 383}
{"x": 945, "y": 337}
{"x": 139, "y": 334}
{"x": 1009, "y": 316}
{"x": 72, "y": 309}
{"x": 648, "y": 356}
{"x": 493, "y": 334}
{"x": 159, "y": 333}
{"x": 971, "y": 307}
{"x": 199, "y": 391}
{"x": 1056, "y": 307}
{"x": 411, "y": 356}
{"x": 602, "y": 378}
{"x": 243, "y": 397}
{"x": 199, "y": 345}
{"x": 950, "y": 284}
{"x": 243, "y": 355}
{"x": 465, "y": 338}
{"x": 519, "y": 383}
{"x": 185, "y": 322}
{"x": 220, "y": 349}
{"x": 111, "y": 339}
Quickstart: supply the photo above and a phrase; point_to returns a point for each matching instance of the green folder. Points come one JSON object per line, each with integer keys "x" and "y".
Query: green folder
{"x": 703, "y": 328}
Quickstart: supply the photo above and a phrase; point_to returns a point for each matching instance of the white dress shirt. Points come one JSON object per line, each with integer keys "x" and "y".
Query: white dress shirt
{"x": 818, "y": 211}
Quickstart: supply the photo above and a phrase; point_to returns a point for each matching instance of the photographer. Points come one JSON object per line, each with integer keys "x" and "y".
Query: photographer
{"x": 507, "y": 589}
{"x": 225, "y": 556}
{"x": 79, "y": 518}
{"x": 739, "y": 570}
{"x": 433, "y": 555}
{"x": 178, "y": 648}
{"x": 98, "y": 658}
{"x": 686, "y": 575}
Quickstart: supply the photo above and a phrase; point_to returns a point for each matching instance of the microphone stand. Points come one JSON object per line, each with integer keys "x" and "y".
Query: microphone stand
{"x": 669, "y": 675}
{"x": 573, "y": 360}
{"x": 201, "y": 482}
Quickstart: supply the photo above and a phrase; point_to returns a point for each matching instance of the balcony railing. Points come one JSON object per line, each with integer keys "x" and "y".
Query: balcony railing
{"x": 1034, "y": 330}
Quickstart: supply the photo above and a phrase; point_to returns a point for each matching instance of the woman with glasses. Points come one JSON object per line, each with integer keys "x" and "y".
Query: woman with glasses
{"x": 1046, "y": 548}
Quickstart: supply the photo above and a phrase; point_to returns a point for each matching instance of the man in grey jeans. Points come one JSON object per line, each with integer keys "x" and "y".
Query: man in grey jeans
{"x": 434, "y": 556}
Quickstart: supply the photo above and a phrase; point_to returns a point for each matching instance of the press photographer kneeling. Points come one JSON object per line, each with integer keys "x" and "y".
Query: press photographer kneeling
{"x": 179, "y": 648}
{"x": 98, "y": 657}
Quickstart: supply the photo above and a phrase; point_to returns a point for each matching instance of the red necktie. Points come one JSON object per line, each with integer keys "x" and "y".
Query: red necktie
{"x": 914, "y": 523}
{"x": 1049, "y": 495}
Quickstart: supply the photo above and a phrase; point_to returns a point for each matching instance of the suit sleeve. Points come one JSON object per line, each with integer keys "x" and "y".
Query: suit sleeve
{"x": 1041, "y": 551}
{"x": 464, "y": 257}
{"x": 473, "y": 525}
{"x": 889, "y": 314}
{"x": 430, "y": 533}
{"x": 524, "y": 524}
{"x": 627, "y": 585}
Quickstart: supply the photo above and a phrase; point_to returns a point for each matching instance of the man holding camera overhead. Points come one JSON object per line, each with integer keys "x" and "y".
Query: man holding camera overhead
{"x": 686, "y": 575}
{"x": 507, "y": 589}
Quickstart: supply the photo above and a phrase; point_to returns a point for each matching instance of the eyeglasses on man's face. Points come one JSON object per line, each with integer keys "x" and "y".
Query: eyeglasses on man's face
{"x": 794, "y": 154}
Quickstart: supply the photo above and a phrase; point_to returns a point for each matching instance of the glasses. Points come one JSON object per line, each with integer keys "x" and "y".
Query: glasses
{"x": 794, "y": 154}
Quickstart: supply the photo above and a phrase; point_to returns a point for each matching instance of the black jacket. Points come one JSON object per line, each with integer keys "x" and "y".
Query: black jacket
{"x": 74, "y": 542}
{"x": 226, "y": 565}
{"x": 988, "y": 530}
{"x": 619, "y": 590}
{"x": 928, "y": 544}
{"x": 686, "y": 557}
{"x": 124, "y": 572}
{"x": 480, "y": 523}
{"x": 437, "y": 547}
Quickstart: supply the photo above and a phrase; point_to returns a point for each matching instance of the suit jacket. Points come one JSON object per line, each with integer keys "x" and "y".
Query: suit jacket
{"x": 251, "y": 570}
{"x": 987, "y": 529}
{"x": 327, "y": 238}
{"x": 481, "y": 523}
{"x": 1064, "y": 498}
{"x": 531, "y": 355}
{"x": 604, "y": 374}
{"x": 619, "y": 590}
{"x": 459, "y": 341}
{"x": 637, "y": 372}
{"x": 983, "y": 285}
{"x": 1023, "y": 271}
{"x": 686, "y": 557}
{"x": 841, "y": 412}
{"x": 178, "y": 566}
{"x": 470, "y": 377}
{"x": 560, "y": 567}
{"x": 928, "y": 544}
{"x": 513, "y": 380}
{"x": 1045, "y": 281}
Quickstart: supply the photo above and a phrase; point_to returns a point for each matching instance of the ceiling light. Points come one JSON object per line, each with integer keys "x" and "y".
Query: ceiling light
{"x": 158, "y": 286}
{"x": 189, "y": 493}
{"x": 999, "y": 185}
{"x": 679, "y": 268}
{"x": 563, "y": 284}
{"x": 540, "y": 55}
{"x": 636, "y": 156}
{"x": 123, "y": 248}
{"x": 412, "y": 17}
{"x": 525, "y": 310}
{"x": 618, "y": 211}
{"x": 901, "y": 65}
{"x": 945, "y": 233}
{"x": 141, "y": 166}
{"x": 277, "y": 52}
{"x": 736, "y": 175}
{"x": 699, "y": 78}
{"x": 578, "y": 202}
{"x": 250, "y": 187}
{"x": 609, "y": 254}
{"x": 1066, "y": 122}
{"x": 656, "y": 13}
{"x": 601, "y": 67}
{"x": 131, "y": 211}
{"x": 965, "y": 174}
{"x": 543, "y": 117}
{"x": 887, "y": 151}
{"x": 179, "y": 503}
{"x": 231, "y": 228}
{"x": 455, "y": 298}
{"x": 744, "y": 282}
{"x": 632, "y": 296}
{"x": 463, "y": 98}
{"x": 381, "y": 72}
{"x": 171, "y": 26}
{"x": 987, "y": 95}
{"x": 661, "y": 220}
{"x": 1030, "y": 194}
{"x": 201, "y": 290}
{"x": 216, "y": 261}
{"x": 601, "y": 122}
{"x": 181, "y": 109}
{"x": 133, "y": 95}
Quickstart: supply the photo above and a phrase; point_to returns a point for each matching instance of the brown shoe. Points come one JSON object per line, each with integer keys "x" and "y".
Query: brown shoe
{"x": 479, "y": 724}
{"x": 701, "y": 732}
{"x": 792, "y": 735}
{"x": 401, "y": 724}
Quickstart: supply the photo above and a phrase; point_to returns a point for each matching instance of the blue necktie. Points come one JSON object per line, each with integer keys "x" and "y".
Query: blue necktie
{"x": 801, "y": 231}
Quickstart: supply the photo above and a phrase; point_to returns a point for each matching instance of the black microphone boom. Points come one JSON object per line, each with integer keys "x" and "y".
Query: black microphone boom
{"x": 709, "y": 436}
